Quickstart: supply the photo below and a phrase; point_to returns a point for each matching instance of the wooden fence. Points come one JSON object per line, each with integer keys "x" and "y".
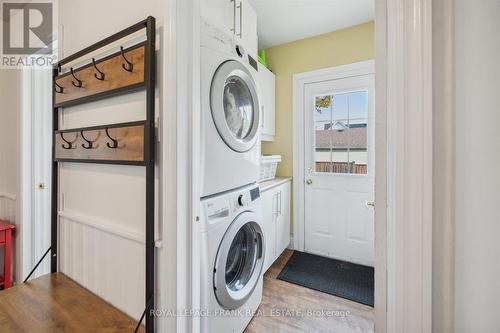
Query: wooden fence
{"x": 341, "y": 167}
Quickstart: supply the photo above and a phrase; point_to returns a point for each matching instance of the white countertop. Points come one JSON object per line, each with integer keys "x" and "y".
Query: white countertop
{"x": 268, "y": 184}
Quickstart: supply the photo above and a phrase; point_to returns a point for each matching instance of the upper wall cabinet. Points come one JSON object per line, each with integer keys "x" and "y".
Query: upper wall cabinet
{"x": 266, "y": 84}
{"x": 236, "y": 18}
{"x": 219, "y": 12}
{"x": 246, "y": 28}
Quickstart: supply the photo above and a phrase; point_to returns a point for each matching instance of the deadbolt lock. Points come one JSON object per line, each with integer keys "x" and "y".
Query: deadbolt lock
{"x": 41, "y": 186}
{"x": 309, "y": 181}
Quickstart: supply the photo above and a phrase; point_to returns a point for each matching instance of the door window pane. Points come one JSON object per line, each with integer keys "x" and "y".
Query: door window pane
{"x": 340, "y": 124}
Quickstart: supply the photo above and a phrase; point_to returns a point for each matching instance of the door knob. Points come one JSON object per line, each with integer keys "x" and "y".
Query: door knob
{"x": 370, "y": 204}
{"x": 309, "y": 181}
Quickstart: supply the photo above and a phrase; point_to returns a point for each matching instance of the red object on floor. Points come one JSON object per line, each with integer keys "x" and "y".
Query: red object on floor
{"x": 5, "y": 240}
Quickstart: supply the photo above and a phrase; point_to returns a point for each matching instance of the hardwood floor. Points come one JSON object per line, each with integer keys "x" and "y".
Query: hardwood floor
{"x": 54, "y": 303}
{"x": 285, "y": 307}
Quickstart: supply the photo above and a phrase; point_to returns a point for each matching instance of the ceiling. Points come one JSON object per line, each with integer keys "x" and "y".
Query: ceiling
{"x": 283, "y": 21}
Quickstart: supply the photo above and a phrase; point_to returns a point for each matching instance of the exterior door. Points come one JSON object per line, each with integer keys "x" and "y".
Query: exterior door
{"x": 339, "y": 161}
{"x": 235, "y": 106}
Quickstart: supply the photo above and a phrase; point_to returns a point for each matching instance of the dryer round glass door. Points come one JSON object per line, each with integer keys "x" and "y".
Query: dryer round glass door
{"x": 239, "y": 262}
{"x": 235, "y": 106}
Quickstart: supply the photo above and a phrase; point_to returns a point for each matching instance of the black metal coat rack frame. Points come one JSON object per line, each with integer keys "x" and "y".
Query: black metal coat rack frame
{"x": 132, "y": 143}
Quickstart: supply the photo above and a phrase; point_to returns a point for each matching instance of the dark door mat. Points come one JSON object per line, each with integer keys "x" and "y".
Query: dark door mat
{"x": 336, "y": 277}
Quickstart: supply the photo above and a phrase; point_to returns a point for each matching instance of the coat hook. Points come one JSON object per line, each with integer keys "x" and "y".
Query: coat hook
{"x": 60, "y": 90}
{"x": 101, "y": 75}
{"x": 69, "y": 144}
{"x": 130, "y": 66}
{"x": 115, "y": 142}
{"x": 79, "y": 84}
{"x": 90, "y": 143}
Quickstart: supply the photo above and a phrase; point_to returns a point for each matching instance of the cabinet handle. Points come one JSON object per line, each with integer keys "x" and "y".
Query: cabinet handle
{"x": 280, "y": 202}
{"x": 275, "y": 205}
{"x": 241, "y": 20}
{"x": 234, "y": 17}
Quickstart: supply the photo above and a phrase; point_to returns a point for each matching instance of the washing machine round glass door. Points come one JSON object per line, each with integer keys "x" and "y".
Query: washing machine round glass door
{"x": 239, "y": 262}
{"x": 235, "y": 106}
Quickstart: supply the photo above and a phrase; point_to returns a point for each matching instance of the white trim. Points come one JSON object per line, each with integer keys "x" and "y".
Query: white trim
{"x": 381, "y": 166}
{"x": 409, "y": 165}
{"x": 299, "y": 81}
{"x": 107, "y": 226}
{"x": 168, "y": 293}
{"x": 188, "y": 148}
{"x": 24, "y": 222}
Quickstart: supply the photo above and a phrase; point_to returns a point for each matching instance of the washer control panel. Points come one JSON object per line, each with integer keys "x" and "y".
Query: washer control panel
{"x": 255, "y": 193}
{"x": 246, "y": 197}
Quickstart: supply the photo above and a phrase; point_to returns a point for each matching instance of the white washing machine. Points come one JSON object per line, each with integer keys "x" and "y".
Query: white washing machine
{"x": 230, "y": 145}
{"x": 232, "y": 260}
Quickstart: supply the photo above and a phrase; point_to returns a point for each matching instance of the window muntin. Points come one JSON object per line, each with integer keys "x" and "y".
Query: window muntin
{"x": 341, "y": 132}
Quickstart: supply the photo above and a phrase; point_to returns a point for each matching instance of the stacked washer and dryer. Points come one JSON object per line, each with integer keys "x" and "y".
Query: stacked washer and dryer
{"x": 232, "y": 242}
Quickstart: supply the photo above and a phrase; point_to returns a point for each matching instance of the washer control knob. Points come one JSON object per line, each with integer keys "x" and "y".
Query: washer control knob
{"x": 242, "y": 201}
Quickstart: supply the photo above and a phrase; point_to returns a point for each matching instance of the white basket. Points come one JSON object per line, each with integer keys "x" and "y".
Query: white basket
{"x": 268, "y": 165}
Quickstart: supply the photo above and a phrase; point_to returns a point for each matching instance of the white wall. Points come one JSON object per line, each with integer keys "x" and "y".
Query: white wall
{"x": 102, "y": 207}
{"x": 477, "y": 268}
{"x": 10, "y": 114}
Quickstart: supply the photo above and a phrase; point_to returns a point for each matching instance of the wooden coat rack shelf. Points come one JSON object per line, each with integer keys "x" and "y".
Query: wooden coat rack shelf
{"x": 131, "y": 143}
{"x": 113, "y": 144}
{"x": 121, "y": 71}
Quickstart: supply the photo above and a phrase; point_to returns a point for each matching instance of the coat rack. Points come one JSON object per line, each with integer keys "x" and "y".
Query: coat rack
{"x": 132, "y": 143}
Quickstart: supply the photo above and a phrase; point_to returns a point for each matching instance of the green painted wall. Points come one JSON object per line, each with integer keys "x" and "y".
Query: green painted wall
{"x": 340, "y": 47}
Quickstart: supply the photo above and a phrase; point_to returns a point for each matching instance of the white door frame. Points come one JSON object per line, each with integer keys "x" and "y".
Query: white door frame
{"x": 403, "y": 181}
{"x": 404, "y": 133}
{"x": 299, "y": 82}
{"x": 35, "y": 164}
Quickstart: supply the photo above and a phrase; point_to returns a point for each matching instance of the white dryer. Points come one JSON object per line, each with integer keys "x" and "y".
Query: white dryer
{"x": 230, "y": 145}
{"x": 232, "y": 260}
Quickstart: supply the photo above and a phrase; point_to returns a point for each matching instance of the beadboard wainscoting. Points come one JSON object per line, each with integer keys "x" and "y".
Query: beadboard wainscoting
{"x": 102, "y": 232}
{"x": 106, "y": 259}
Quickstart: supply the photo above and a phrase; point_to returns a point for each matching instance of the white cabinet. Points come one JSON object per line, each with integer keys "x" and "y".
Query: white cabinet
{"x": 219, "y": 12}
{"x": 276, "y": 221}
{"x": 246, "y": 29}
{"x": 266, "y": 82}
{"x": 283, "y": 219}
{"x": 236, "y": 18}
{"x": 268, "y": 199}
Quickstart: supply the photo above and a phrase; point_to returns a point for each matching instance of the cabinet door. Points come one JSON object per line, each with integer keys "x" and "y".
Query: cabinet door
{"x": 267, "y": 81}
{"x": 283, "y": 219}
{"x": 246, "y": 27}
{"x": 269, "y": 206}
{"x": 220, "y": 13}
